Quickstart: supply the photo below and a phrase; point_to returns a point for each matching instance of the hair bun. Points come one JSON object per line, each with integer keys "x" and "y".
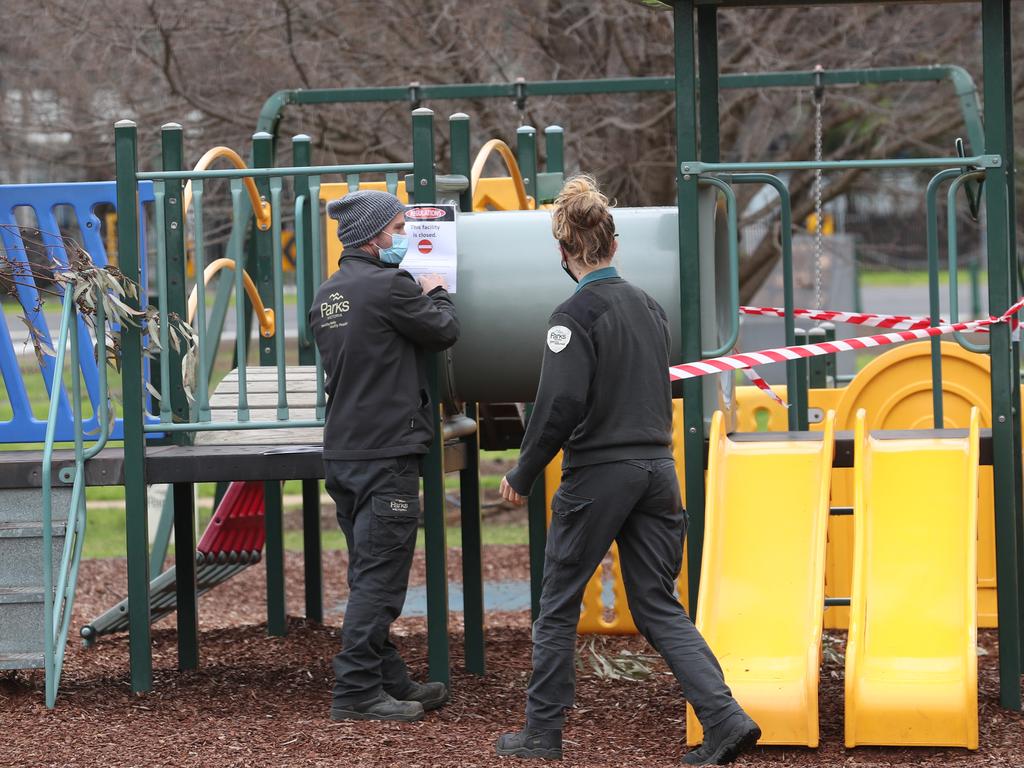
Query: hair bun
{"x": 582, "y": 222}
{"x": 583, "y": 203}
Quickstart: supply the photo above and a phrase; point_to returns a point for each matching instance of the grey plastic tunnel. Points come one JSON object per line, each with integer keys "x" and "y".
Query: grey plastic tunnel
{"x": 510, "y": 279}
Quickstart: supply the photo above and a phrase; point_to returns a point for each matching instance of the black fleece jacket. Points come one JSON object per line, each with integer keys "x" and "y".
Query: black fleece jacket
{"x": 372, "y": 325}
{"x": 604, "y": 390}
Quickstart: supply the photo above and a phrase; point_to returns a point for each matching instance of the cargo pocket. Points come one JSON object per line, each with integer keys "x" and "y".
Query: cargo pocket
{"x": 566, "y": 536}
{"x": 395, "y": 520}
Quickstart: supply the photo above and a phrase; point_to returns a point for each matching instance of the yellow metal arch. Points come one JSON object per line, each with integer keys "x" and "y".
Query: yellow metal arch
{"x": 524, "y": 201}
{"x": 260, "y": 206}
{"x": 265, "y": 315}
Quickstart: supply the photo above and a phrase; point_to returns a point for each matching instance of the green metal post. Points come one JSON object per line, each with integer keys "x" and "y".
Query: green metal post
{"x": 469, "y": 476}
{"x": 817, "y": 369}
{"x": 266, "y": 251}
{"x": 458, "y": 132}
{"x": 526, "y": 155}
{"x": 830, "y": 360}
{"x": 707, "y": 62}
{"x": 185, "y": 565}
{"x": 802, "y": 381}
{"x": 472, "y": 552}
{"x": 537, "y": 526}
{"x": 173, "y": 156}
{"x": 1006, "y": 461}
{"x": 181, "y": 494}
{"x": 1009, "y": 156}
{"x": 689, "y": 284}
{"x": 435, "y": 538}
{"x": 136, "y": 520}
{"x": 312, "y": 545}
{"x": 554, "y": 149}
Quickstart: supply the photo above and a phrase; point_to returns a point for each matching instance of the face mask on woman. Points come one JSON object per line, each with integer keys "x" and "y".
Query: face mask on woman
{"x": 565, "y": 268}
{"x": 396, "y": 251}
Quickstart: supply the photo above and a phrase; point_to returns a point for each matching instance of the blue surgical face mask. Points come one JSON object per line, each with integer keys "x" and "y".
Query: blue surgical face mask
{"x": 396, "y": 252}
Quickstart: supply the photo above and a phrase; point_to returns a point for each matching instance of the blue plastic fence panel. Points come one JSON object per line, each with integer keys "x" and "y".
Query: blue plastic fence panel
{"x": 43, "y": 199}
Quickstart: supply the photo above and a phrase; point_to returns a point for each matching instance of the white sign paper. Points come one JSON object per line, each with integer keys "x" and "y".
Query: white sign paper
{"x": 432, "y": 249}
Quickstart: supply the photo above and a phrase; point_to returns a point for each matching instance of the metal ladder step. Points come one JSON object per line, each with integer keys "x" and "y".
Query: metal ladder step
{"x": 21, "y": 660}
{"x": 21, "y": 616}
{"x": 21, "y": 553}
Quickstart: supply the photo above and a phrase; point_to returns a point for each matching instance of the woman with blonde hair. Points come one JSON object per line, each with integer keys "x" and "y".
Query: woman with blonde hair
{"x": 604, "y": 398}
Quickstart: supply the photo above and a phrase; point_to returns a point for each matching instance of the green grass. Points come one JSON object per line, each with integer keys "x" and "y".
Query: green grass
{"x": 104, "y": 535}
{"x": 911, "y": 278}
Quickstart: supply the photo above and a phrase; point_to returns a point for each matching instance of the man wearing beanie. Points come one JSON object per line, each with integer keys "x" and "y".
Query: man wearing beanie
{"x": 373, "y": 324}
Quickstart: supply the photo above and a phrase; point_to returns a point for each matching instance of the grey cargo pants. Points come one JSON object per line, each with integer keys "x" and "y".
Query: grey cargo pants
{"x": 378, "y": 511}
{"x": 637, "y": 504}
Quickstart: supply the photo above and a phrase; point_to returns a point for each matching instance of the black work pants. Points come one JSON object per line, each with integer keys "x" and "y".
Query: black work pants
{"x": 378, "y": 511}
{"x": 635, "y": 503}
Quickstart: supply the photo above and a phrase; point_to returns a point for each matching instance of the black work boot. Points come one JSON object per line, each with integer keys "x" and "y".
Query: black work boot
{"x": 532, "y": 742}
{"x": 430, "y": 695}
{"x": 696, "y": 755}
{"x": 725, "y": 741}
{"x": 382, "y": 707}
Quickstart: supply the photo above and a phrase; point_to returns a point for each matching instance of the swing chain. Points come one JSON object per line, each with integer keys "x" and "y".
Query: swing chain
{"x": 819, "y": 97}
{"x": 520, "y": 99}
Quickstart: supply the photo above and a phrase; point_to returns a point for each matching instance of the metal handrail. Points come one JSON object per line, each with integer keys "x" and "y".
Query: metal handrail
{"x": 952, "y": 255}
{"x": 264, "y": 315}
{"x": 259, "y": 206}
{"x": 796, "y": 388}
{"x": 934, "y": 308}
{"x": 57, "y": 618}
{"x": 734, "y": 266}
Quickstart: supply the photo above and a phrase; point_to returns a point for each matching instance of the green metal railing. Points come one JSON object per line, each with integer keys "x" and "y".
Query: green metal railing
{"x": 181, "y": 421}
{"x": 798, "y": 372}
{"x": 796, "y": 387}
{"x": 307, "y": 260}
{"x": 521, "y": 90}
{"x": 734, "y": 268}
{"x": 951, "y": 235}
{"x": 58, "y": 599}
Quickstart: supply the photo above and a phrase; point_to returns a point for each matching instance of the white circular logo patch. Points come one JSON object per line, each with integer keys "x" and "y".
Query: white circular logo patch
{"x": 558, "y": 338}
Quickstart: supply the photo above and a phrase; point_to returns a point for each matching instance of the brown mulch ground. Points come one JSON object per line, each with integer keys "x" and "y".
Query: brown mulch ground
{"x": 263, "y": 701}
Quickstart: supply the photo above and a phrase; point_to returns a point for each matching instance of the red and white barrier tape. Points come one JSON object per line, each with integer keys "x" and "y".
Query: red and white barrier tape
{"x": 746, "y": 360}
{"x": 870, "y": 319}
{"x": 758, "y": 381}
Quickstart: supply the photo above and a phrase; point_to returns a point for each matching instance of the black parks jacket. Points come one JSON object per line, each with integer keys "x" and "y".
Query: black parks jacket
{"x": 604, "y": 392}
{"x": 372, "y": 325}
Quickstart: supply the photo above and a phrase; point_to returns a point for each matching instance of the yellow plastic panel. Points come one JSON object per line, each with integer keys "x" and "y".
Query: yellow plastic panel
{"x": 763, "y": 576}
{"x": 334, "y": 191}
{"x": 895, "y": 389}
{"x": 911, "y": 659}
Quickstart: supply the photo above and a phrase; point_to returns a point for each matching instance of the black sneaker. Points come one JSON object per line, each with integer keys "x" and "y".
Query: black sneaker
{"x": 725, "y": 742}
{"x": 381, "y": 707}
{"x": 430, "y": 695}
{"x": 532, "y": 742}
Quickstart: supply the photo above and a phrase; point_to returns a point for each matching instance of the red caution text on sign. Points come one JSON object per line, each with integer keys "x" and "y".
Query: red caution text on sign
{"x": 425, "y": 246}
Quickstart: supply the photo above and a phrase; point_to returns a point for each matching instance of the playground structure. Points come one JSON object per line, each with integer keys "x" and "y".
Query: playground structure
{"x": 706, "y": 311}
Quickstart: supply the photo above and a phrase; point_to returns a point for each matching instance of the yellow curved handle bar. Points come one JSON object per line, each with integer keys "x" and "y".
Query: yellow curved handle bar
{"x": 260, "y": 206}
{"x": 499, "y": 146}
{"x": 263, "y": 314}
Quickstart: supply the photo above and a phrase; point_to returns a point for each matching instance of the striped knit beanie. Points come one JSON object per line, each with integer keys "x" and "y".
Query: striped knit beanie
{"x": 362, "y": 215}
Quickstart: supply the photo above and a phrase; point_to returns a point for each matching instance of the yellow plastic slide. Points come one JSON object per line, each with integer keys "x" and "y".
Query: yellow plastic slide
{"x": 763, "y": 574}
{"x": 911, "y": 657}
